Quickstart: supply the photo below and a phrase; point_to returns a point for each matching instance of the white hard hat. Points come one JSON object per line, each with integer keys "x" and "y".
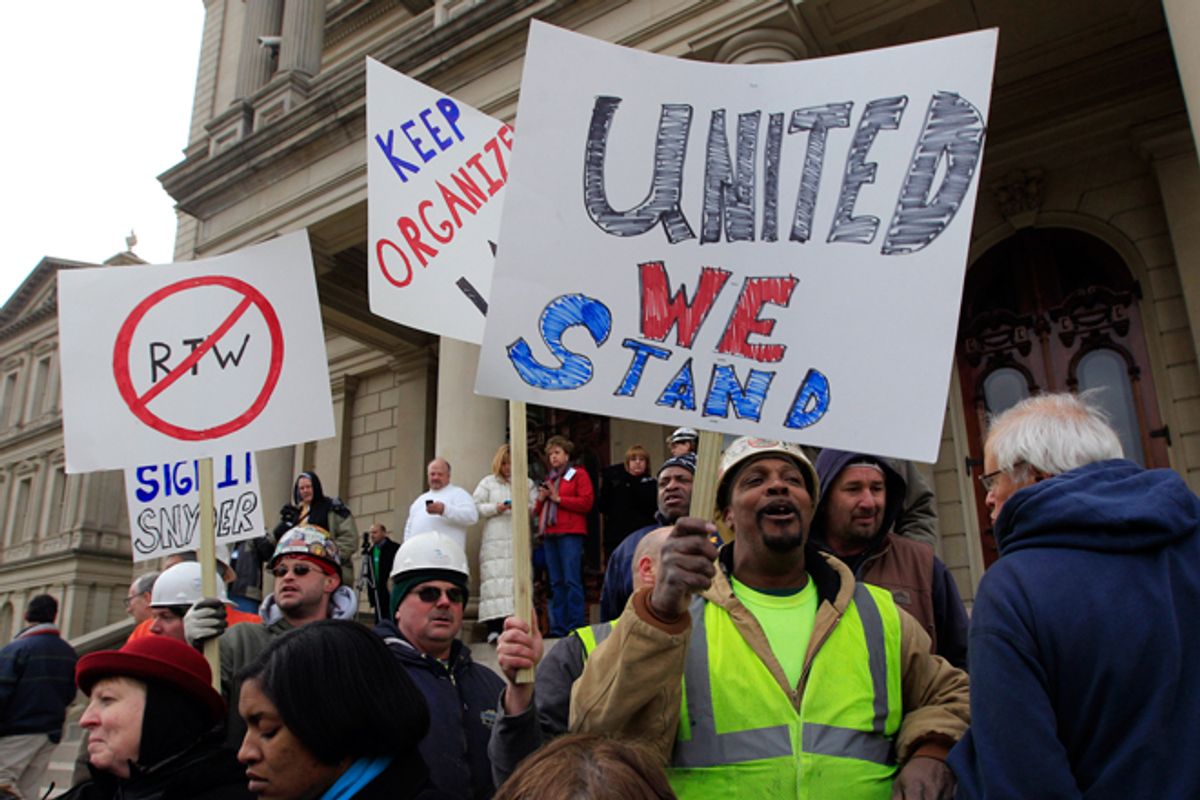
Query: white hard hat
{"x": 430, "y": 552}
{"x": 750, "y": 448}
{"x": 684, "y": 435}
{"x": 180, "y": 586}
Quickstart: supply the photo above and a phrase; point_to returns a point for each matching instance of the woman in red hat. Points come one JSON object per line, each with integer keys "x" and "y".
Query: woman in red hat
{"x": 150, "y": 721}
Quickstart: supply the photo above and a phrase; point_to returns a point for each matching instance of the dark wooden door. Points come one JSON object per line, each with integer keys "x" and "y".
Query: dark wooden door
{"x": 1052, "y": 310}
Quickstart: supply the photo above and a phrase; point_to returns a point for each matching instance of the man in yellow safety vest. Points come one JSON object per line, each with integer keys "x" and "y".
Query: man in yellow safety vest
{"x": 764, "y": 669}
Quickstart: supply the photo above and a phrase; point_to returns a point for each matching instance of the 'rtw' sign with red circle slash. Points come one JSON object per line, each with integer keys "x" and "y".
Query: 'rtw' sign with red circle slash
{"x": 200, "y": 356}
{"x": 139, "y": 401}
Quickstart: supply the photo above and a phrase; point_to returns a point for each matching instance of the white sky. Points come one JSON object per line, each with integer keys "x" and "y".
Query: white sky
{"x": 97, "y": 102}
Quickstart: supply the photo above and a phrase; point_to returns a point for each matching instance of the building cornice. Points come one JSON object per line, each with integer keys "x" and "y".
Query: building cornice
{"x": 334, "y": 112}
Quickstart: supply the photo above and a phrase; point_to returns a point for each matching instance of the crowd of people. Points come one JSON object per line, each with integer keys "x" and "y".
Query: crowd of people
{"x": 801, "y": 639}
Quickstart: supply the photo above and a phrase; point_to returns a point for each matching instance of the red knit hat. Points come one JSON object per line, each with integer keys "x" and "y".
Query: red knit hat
{"x": 154, "y": 658}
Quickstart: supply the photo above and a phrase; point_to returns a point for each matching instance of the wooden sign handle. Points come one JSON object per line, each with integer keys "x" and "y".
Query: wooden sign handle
{"x": 704, "y": 485}
{"x": 522, "y": 548}
{"x": 208, "y": 562}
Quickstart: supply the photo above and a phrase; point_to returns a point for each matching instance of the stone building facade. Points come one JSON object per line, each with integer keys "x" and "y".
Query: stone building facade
{"x": 1084, "y": 269}
{"x": 66, "y": 535}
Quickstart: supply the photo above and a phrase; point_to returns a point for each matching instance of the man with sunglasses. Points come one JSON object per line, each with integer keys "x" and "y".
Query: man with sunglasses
{"x": 429, "y": 591}
{"x": 308, "y": 587}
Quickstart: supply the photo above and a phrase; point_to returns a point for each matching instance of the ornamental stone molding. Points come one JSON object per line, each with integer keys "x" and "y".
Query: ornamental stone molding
{"x": 1019, "y": 195}
{"x": 762, "y": 46}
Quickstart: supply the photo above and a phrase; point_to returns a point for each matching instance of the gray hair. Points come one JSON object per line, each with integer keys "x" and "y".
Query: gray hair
{"x": 144, "y": 582}
{"x": 1052, "y": 433}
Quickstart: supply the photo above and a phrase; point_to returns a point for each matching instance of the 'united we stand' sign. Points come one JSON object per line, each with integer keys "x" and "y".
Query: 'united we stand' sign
{"x": 771, "y": 249}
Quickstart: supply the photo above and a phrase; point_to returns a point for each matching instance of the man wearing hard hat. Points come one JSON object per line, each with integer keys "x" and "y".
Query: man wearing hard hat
{"x": 175, "y": 591}
{"x": 764, "y": 669}
{"x": 308, "y": 587}
{"x": 430, "y": 579}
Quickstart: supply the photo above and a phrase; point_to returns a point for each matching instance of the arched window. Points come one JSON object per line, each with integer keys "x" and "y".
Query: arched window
{"x": 1105, "y": 371}
{"x": 1004, "y": 388}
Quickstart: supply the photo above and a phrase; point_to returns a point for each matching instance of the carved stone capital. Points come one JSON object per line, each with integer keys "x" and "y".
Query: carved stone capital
{"x": 762, "y": 46}
{"x": 1020, "y": 194}
{"x": 343, "y": 386}
{"x": 412, "y": 365}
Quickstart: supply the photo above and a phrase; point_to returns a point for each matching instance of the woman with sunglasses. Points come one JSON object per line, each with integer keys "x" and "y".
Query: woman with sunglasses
{"x": 330, "y": 715}
{"x": 429, "y": 591}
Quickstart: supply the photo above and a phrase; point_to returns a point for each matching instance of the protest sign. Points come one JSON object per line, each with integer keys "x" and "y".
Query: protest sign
{"x": 769, "y": 249}
{"x": 164, "y": 504}
{"x": 200, "y": 358}
{"x": 436, "y": 172}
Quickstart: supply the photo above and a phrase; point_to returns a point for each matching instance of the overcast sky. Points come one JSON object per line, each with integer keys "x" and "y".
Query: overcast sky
{"x": 97, "y": 102}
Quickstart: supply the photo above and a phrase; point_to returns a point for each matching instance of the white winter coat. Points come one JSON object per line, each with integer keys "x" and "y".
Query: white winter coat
{"x": 495, "y": 551}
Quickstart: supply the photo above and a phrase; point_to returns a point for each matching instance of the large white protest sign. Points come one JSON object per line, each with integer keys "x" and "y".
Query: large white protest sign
{"x": 436, "y": 172}
{"x": 773, "y": 249}
{"x": 164, "y": 504}
{"x": 195, "y": 359}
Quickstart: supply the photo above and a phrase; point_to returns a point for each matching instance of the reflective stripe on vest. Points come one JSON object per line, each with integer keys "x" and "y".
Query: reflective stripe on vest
{"x": 711, "y": 756}
{"x": 707, "y": 748}
{"x": 592, "y": 635}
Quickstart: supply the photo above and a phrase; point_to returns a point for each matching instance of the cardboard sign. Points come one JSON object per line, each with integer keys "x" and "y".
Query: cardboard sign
{"x": 200, "y": 358}
{"x": 164, "y": 504}
{"x": 436, "y": 172}
{"x": 758, "y": 249}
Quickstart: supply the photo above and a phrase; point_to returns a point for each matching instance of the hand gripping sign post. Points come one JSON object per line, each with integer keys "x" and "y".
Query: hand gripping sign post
{"x": 186, "y": 361}
{"x": 436, "y": 172}
{"x": 772, "y": 249}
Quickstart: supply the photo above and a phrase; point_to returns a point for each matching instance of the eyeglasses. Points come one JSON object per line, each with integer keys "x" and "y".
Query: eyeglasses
{"x": 431, "y": 594}
{"x": 129, "y": 600}
{"x": 300, "y": 570}
{"x": 988, "y": 479}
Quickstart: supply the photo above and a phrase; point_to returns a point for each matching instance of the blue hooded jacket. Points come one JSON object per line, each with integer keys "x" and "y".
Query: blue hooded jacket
{"x": 1085, "y": 642}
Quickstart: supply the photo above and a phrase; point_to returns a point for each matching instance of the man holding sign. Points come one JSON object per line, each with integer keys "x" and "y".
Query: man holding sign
{"x": 796, "y": 675}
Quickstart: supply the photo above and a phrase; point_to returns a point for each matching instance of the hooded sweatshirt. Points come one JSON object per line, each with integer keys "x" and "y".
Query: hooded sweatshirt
{"x": 1085, "y": 641}
{"x": 918, "y": 580}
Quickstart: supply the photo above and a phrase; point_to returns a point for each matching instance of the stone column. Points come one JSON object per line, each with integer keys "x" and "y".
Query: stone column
{"x": 275, "y": 478}
{"x": 469, "y": 427}
{"x": 303, "y": 37}
{"x": 1178, "y": 173}
{"x": 416, "y": 405}
{"x": 333, "y": 455}
{"x": 1183, "y": 20}
{"x": 255, "y": 62}
{"x": 5, "y": 485}
{"x": 762, "y": 46}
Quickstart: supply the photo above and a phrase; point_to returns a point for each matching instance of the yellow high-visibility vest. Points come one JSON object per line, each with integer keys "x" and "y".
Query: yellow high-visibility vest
{"x": 592, "y": 635}
{"x": 740, "y": 734}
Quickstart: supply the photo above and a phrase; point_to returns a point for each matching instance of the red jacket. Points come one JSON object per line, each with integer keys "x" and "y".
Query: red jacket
{"x": 575, "y": 498}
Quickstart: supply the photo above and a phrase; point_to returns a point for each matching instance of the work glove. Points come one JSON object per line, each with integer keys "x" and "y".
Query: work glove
{"x": 289, "y": 514}
{"x": 204, "y": 620}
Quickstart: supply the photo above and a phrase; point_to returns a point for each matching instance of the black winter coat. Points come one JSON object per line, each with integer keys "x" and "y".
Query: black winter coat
{"x": 462, "y": 699}
{"x": 627, "y": 503}
{"x": 205, "y": 771}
